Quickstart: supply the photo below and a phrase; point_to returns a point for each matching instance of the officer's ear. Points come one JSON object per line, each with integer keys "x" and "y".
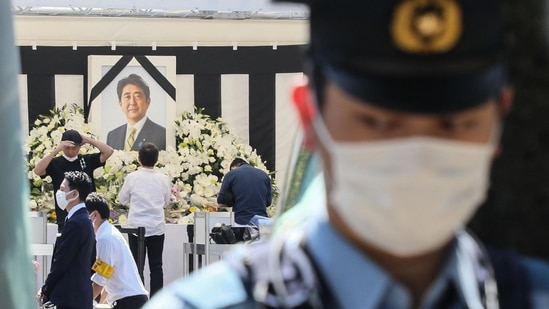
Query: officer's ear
{"x": 306, "y": 108}
{"x": 505, "y": 100}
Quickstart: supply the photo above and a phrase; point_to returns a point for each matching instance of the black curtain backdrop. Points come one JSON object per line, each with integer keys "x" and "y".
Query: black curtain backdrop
{"x": 207, "y": 90}
{"x": 41, "y": 91}
{"x": 262, "y": 114}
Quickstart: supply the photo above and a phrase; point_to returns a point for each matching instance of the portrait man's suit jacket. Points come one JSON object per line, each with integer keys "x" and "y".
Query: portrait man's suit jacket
{"x": 151, "y": 132}
{"x": 68, "y": 284}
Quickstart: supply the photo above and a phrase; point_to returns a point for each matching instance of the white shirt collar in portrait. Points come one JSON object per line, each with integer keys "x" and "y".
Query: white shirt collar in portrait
{"x": 138, "y": 126}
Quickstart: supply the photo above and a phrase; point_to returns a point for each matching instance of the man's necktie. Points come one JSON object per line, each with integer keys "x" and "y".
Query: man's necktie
{"x": 130, "y": 140}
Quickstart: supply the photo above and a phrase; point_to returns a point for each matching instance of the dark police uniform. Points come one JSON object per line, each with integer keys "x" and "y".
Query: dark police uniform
{"x": 319, "y": 268}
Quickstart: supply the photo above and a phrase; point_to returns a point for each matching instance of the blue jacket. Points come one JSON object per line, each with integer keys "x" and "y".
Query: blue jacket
{"x": 251, "y": 190}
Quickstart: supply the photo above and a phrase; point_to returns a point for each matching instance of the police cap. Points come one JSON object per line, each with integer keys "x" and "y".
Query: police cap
{"x": 424, "y": 56}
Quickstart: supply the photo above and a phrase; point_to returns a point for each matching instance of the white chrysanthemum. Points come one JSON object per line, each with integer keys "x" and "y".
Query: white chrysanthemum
{"x": 198, "y": 188}
{"x": 198, "y": 200}
{"x": 98, "y": 173}
{"x": 188, "y": 219}
{"x": 210, "y": 191}
{"x": 122, "y": 219}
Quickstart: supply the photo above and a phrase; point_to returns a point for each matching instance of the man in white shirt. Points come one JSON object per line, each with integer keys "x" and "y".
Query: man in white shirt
{"x": 148, "y": 192}
{"x": 115, "y": 269}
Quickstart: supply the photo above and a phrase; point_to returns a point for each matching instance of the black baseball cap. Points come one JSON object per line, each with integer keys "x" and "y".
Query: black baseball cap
{"x": 424, "y": 56}
{"x": 73, "y": 136}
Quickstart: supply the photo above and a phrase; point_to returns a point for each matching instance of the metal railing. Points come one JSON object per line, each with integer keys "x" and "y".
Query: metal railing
{"x": 140, "y": 232}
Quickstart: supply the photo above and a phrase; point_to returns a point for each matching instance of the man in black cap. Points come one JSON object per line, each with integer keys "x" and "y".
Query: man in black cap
{"x": 56, "y": 166}
{"x": 404, "y": 106}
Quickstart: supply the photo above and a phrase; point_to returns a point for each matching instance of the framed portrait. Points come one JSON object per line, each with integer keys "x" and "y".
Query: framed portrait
{"x": 111, "y": 115}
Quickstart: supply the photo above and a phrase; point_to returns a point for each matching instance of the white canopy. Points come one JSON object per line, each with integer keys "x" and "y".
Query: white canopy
{"x": 234, "y": 9}
{"x": 159, "y": 23}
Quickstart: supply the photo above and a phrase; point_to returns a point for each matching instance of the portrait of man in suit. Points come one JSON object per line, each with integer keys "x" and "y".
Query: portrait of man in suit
{"x": 134, "y": 99}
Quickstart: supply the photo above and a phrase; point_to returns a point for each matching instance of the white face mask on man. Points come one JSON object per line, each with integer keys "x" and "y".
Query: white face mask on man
{"x": 61, "y": 197}
{"x": 92, "y": 218}
{"x": 69, "y": 158}
{"x": 407, "y": 196}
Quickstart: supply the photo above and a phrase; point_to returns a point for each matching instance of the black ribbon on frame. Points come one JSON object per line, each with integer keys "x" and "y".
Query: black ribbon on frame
{"x": 106, "y": 80}
{"x": 118, "y": 67}
{"x": 156, "y": 75}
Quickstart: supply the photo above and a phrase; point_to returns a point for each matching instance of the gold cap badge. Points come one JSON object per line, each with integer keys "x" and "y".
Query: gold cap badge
{"x": 426, "y": 26}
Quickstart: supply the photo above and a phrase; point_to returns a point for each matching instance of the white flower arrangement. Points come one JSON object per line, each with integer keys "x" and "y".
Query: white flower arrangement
{"x": 205, "y": 149}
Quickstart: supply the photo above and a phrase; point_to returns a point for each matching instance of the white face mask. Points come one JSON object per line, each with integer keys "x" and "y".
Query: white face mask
{"x": 407, "y": 196}
{"x": 61, "y": 198}
{"x": 69, "y": 158}
{"x": 92, "y": 219}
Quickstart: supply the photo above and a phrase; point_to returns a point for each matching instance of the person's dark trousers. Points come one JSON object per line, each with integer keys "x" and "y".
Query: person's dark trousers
{"x": 131, "y": 302}
{"x": 154, "y": 246}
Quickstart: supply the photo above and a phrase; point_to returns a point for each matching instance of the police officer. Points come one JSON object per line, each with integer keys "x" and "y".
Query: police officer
{"x": 408, "y": 98}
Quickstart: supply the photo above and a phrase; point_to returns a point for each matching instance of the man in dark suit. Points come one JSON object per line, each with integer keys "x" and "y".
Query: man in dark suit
{"x": 68, "y": 284}
{"x": 134, "y": 100}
